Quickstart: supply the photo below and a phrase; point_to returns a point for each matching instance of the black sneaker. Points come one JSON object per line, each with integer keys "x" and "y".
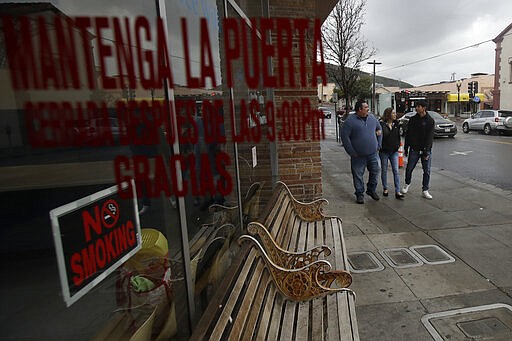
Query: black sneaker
{"x": 360, "y": 199}
{"x": 374, "y": 195}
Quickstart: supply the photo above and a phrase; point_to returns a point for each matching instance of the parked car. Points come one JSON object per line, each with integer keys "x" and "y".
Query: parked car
{"x": 100, "y": 126}
{"x": 404, "y": 120}
{"x": 343, "y": 118}
{"x": 326, "y": 111}
{"x": 442, "y": 126}
{"x": 488, "y": 121}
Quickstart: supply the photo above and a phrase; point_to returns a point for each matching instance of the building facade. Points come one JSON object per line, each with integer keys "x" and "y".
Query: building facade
{"x": 122, "y": 124}
{"x": 503, "y": 70}
{"x": 450, "y": 98}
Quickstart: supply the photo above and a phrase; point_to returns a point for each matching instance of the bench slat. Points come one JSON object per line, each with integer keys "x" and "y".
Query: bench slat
{"x": 317, "y": 318}
{"x": 266, "y": 316}
{"x": 317, "y": 329}
{"x": 271, "y": 221}
{"x": 254, "y": 315}
{"x": 249, "y": 297}
{"x": 347, "y": 317}
{"x": 285, "y": 233}
{"x": 275, "y": 320}
{"x": 342, "y": 300}
{"x": 302, "y": 327}
{"x": 287, "y": 327}
{"x": 233, "y": 297}
{"x": 341, "y": 253}
{"x": 288, "y": 307}
{"x": 333, "y": 331}
{"x": 303, "y": 234}
{"x": 306, "y": 241}
{"x": 277, "y": 211}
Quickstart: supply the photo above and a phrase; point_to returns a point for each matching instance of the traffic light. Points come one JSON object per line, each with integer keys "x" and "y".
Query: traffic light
{"x": 470, "y": 89}
{"x": 475, "y": 88}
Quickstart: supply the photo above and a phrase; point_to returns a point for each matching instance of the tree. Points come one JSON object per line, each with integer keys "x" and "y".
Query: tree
{"x": 344, "y": 46}
{"x": 362, "y": 88}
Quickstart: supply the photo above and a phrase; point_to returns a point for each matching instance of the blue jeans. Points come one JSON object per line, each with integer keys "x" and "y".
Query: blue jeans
{"x": 357, "y": 165}
{"x": 393, "y": 159}
{"x": 414, "y": 156}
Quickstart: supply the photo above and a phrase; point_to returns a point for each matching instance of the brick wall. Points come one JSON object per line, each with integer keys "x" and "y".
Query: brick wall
{"x": 299, "y": 162}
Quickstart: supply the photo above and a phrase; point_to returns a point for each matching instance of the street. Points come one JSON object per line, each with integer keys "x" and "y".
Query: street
{"x": 485, "y": 158}
{"x": 463, "y": 290}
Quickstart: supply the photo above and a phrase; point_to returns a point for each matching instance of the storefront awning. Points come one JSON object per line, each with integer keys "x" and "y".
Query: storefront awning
{"x": 463, "y": 97}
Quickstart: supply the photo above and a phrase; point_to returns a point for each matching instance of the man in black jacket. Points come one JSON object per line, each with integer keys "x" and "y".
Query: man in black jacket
{"x": 418, "y": 144}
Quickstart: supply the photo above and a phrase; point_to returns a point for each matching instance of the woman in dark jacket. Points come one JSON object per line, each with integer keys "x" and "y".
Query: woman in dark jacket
{"x": 389, "y": 151}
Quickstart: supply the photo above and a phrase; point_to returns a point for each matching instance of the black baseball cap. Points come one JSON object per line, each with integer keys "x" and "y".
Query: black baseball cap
{"x": 421, "y": 102}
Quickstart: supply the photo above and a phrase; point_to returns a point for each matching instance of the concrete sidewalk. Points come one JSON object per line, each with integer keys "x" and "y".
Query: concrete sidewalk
{"x": 469, "y": 220}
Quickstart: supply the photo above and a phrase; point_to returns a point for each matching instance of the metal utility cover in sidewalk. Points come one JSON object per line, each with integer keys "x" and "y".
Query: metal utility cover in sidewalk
{"x": 431, "y": 254}
{"x": 400, "y": 257}
{"x": 486, "y": 322}
{"x": 363, "y": 261}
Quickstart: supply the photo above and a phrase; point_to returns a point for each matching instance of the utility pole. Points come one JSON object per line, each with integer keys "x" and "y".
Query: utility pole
{"x": 373, "y": 86}
{"x": 458, "y": 84}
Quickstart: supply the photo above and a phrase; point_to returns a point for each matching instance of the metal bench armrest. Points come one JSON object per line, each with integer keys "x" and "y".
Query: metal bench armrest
{"x": 304, "y": 283}
{"x": 307, "y": 211}
{"x": 282, "y": 257}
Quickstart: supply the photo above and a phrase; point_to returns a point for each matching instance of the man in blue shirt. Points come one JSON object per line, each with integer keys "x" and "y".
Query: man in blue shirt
{"x": 362, "y": 137}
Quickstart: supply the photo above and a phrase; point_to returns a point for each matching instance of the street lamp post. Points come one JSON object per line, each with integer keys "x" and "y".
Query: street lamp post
{"x": 373, "y": 86}
{"x": 459, "y": 83}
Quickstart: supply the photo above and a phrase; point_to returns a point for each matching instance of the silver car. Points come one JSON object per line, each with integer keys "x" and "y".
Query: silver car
{"x": 488, "y": 121}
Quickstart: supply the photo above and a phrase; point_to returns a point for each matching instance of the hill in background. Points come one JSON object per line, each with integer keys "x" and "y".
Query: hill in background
{"x": 385, "y": 81}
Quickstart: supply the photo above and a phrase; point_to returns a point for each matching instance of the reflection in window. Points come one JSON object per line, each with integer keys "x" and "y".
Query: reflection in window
{"x": 61, "y": 131}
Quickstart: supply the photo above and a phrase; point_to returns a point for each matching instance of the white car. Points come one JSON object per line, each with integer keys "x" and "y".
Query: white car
{"x": 326, "y": 111}
{"x": 488, "y": 121}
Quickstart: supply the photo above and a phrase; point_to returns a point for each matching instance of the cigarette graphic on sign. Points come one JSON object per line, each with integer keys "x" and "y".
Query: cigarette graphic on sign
{"x": 110, "y": 211}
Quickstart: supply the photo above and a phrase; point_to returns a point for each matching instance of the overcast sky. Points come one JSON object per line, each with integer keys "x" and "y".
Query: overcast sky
{"x": 405, "y": 31}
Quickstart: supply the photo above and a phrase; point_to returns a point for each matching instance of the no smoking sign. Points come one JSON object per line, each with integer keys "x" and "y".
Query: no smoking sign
{"x": 110, "y": 213}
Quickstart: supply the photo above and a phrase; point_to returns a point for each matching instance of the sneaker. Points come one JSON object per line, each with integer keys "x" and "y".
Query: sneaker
{"x": 406, "y": 188}
{"x": 360, "y": 199}
{"x": 427, "y": 195}
{"x": 374, "y": 195}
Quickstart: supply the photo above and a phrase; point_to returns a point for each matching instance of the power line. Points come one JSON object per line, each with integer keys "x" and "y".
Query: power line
{"x": 440, "y": 55}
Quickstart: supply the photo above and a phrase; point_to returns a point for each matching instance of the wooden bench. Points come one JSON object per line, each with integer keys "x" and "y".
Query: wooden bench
{"x": 251, "y": 307}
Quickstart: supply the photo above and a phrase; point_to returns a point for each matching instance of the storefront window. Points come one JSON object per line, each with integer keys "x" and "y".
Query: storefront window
{"x": 80, "y": 83}
{"x": 223, "y": 153}
{"x": 133, "y": 152}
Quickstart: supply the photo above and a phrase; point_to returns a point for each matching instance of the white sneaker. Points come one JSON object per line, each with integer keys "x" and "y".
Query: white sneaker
{"x": 406, "y": 188}
{"x": 426, "y": 195}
